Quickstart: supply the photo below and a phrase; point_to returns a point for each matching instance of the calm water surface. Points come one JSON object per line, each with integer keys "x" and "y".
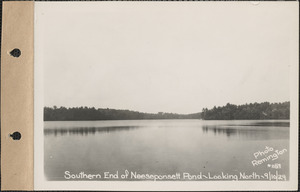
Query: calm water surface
{"x": 165, "y": 147}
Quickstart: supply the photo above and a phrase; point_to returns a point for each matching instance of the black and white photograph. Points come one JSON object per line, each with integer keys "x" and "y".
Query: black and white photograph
{"x": 166, "y": 93}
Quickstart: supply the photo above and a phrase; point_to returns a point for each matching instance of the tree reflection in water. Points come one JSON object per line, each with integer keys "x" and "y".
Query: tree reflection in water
{"x": 86, "y": 130}
{"x": 264, "y": 131}
{"x": 254, "y": 131}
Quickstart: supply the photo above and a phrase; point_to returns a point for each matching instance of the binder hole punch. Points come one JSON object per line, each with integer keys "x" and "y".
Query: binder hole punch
{"x": 16, "y": 135}
{"x": 15, "y": 52}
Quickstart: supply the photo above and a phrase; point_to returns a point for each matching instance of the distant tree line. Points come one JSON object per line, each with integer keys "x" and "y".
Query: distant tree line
{"x": 91, "y": 113}
{"x": 263, "y": 110}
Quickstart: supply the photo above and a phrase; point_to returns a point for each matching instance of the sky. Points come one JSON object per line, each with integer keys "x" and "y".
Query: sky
{"x": 164, "y": 57}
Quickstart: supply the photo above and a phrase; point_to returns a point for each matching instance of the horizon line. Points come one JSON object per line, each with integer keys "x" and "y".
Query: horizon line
{"x": 108, "y": 108}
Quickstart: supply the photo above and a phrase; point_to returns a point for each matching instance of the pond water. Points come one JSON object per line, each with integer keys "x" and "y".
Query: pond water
{"x": 188, "y": 148}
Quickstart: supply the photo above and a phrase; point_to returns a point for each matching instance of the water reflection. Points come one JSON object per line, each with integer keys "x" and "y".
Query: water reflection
{"x": 218, "y": 130}
{"x": 267, "y": 124}
{"x": 86, "y": 130}
{"x": 253, "y": 132}
{"x": 241, "y": 129}
{"x": 166, "y": 146}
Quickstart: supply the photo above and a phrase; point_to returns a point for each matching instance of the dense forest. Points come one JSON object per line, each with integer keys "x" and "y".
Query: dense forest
{"x": 86, "y": 113}
{"x": 264, "y": 110}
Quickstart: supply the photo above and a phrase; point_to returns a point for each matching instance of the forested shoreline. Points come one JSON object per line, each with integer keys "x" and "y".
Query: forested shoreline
{"x": 264, "y": 110}
{"x": 91, "y": 113}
